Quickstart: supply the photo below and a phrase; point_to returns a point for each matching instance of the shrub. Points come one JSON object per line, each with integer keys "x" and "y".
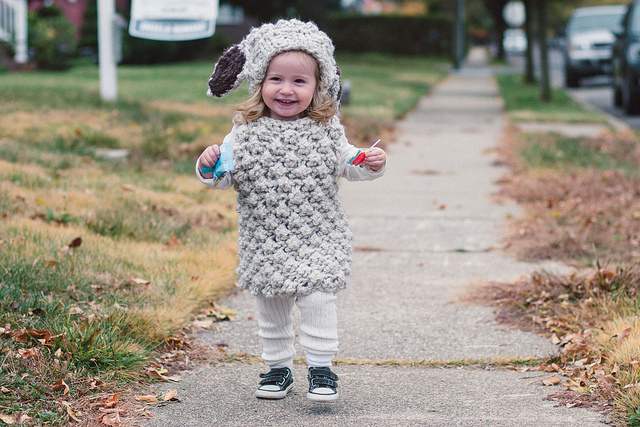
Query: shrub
{"x": 412, "y": 35}
{"x": 53, "y": 40}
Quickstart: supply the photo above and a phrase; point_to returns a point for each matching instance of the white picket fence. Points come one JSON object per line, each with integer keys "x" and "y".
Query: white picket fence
{"x": 13, "y": 26}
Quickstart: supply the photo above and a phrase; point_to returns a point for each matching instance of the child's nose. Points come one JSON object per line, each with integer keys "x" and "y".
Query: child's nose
{"x": 287, "y": 88}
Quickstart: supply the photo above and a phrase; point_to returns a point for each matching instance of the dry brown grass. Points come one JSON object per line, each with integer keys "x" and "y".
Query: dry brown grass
{"x": 579, "y": 209}
{"x": 574, "y": 214}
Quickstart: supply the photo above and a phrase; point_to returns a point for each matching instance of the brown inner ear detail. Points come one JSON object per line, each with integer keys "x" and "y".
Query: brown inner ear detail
{"x": 339, "y": 72}
{"x": 226, "y": 71}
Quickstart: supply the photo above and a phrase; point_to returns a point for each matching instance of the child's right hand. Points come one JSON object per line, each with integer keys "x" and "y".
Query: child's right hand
{"x": 208, "y": 158}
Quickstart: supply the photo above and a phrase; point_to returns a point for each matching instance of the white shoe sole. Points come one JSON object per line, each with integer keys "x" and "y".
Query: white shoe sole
{"x": 274, "y": 395}
{"x": 322, "y": 397}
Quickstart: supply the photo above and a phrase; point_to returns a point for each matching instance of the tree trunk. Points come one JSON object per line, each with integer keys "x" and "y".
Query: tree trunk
{"x": 495, "y": 8}
{"x": 529, "y": 76}
{"x": 500, "y": 29}
{"x": 545, "y": 87}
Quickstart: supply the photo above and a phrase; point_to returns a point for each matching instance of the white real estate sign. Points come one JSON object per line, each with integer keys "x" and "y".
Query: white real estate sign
{"x": 173, "y": 20}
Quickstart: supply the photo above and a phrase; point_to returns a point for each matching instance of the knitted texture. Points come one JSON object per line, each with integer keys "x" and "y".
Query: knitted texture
{"x": 293, "y": 236}
{"x": 263, "y": 43}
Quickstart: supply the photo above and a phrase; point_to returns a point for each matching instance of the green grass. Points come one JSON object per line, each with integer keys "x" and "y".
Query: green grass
{"x": 385, "y": 87}
{"x": 562, "y": 152}
{"x": 522, "y": 102}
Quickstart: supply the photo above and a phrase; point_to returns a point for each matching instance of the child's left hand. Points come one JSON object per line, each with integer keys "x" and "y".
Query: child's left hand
{"x": 376, "y": 158}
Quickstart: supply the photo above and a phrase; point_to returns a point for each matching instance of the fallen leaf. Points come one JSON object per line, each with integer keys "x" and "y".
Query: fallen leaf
{"x": 551, "y": 380}
{"x": 171, "y": 394}
{"x": 23, "y": 419}
{"x": 111, "y": 400}
{"x": 127, "y": 187}
{"x": 5, "y": 390}
{"x": 220, "y": 313}
{"x": 147, "y": 398}
{"x": 43, "y": 336}
{"x": 58, "y": 353}
{"x": 158, "y": 372}
{"x": 138, "y": 281}
{"x": 75, "y": 242}
{"x": 76, "y": 311}
{"x": 28, "y": 353}
{"x": 112, "y": 419}
{"x": 623, "y": 335}
{"x": 173, "y": 241}
{"x": 204, "y": 324}
{"x": 70, "y": 411}
{"x": 50, "y": 263}
{"x": 61, "y": 385}
{"x": 8, "y": 419}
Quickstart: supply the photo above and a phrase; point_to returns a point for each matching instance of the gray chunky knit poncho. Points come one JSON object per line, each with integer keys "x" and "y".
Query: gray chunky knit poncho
{"x": 294, "y": 239}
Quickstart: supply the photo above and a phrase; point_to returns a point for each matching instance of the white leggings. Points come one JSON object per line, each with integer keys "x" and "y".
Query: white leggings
{"x": 318, "y": 329}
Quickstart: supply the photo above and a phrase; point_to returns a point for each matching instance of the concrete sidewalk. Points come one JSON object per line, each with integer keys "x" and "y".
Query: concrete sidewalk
{"x": 423, "y": 233}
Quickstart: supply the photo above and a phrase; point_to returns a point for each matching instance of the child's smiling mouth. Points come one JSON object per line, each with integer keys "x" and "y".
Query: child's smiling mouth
{"x": 286, "y": 102}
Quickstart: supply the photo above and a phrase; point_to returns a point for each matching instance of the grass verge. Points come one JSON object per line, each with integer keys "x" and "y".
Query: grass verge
{"x": 103, "y": 262}
{"x": 522, "y": 102}
{"x": 580, "y": 200}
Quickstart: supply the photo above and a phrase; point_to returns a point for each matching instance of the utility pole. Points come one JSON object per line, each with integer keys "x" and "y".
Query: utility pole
{"x": 458, "y": 32}
{"x": 108, "y": 79}
{"x": 545, "y": 84}
{"x": 529, "y": 75}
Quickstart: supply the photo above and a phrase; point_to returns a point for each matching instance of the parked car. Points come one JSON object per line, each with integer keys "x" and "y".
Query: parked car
{"x": 626, "y": 61}
{"x": 514, "y": 41}
{"x": 590, "y": 37}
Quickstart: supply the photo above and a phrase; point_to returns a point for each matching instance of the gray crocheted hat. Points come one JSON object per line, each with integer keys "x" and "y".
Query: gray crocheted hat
{"x": 249, "y": 59}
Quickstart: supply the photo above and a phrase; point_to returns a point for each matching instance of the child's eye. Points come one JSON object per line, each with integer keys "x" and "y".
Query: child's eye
{"x": 274, "y": 79}
{"x": 300, "y": 81}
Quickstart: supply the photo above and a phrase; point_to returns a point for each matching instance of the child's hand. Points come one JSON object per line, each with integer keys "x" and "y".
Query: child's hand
{"x": 208, "y": 158}
{"x": 376, "y": 158}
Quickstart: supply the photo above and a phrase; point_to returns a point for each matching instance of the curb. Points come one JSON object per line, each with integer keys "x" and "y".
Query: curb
{"x": 617, "y": 124}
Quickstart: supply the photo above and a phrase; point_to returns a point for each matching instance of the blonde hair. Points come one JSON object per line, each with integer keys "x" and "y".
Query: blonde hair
{"x": 321, "y": 109}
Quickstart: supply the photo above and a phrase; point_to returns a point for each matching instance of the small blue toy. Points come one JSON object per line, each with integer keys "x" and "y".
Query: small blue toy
{"x": 223, "y": 165}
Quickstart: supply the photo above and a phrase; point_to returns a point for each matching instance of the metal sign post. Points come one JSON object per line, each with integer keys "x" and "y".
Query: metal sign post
{"x": 21, "y": 8}
{"x": 108, "y": 79}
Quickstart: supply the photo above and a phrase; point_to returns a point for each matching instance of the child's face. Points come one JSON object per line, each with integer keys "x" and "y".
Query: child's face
{"x": 289, "y": 85}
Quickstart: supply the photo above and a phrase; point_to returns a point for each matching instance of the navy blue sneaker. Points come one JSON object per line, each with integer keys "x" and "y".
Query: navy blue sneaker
{"x": 275, "y": 384}
{"x": 323, "y": 384}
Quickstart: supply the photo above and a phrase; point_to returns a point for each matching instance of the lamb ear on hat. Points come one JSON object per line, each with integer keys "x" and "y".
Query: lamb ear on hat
{"x": 225, "y": 72}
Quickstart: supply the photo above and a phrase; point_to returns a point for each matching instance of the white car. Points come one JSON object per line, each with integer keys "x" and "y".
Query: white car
{"x": 590, "y": 36}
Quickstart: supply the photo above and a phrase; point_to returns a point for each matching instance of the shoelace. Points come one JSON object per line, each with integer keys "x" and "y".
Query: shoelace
{"x": 276, "y": 376}
{"x": 322, "y": 378}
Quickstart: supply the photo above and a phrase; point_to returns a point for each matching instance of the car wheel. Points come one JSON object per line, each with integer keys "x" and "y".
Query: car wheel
{"x": 630, "y": 97}
{"x": 571, "y": 79}
{"x": 617, "y": 96}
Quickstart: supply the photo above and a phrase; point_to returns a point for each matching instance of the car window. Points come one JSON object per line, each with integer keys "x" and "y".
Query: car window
{"x": 612, "y": 22}
{"x": 634, "y": 25}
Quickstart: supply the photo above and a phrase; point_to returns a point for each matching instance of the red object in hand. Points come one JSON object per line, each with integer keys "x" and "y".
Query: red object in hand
{"x": 359, "y": 158}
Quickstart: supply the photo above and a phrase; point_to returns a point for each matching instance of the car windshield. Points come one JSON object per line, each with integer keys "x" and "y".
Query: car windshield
{"x": 635, "y": 21}
{"x": 583, "y": 23}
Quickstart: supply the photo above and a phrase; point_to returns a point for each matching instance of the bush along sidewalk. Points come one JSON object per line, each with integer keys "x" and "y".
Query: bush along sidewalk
{"x": 581, "y": 207}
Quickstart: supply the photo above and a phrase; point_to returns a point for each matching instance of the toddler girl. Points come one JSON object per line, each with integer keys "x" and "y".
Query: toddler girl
{"x": 284, "y": 156}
